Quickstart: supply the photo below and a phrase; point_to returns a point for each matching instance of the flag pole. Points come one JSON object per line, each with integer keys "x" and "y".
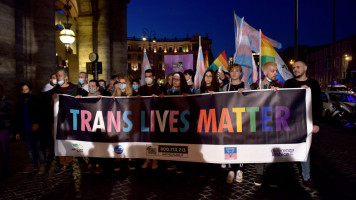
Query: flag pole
{"x": 199, "y": 40}
{"x": 260, "y": 70}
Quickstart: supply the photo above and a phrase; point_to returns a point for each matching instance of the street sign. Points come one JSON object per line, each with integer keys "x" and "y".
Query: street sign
{"x": 91, "y": 67}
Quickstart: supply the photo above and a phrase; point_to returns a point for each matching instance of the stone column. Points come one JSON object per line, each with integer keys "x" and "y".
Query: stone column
{"x": 7, "y": 48}
{"x": 41, "y": 43}
{"x": 85, "y": 41}
{"x": 118, "y": 28}
{"x": 103, "y": 39}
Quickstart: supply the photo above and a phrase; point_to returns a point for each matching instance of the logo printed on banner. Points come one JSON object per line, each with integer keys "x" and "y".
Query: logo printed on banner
{"x": 173, "y": 151}
{"x": 119, "y": 149}
{"x": 230, "y": 153}
{"x": 151, "y": 151}
{"x": 276, "y": 152}
{"x": 77, "y": 147}
{"x": 178, "y": 66}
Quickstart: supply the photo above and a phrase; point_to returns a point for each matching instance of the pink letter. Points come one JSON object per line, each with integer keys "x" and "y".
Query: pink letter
{"x": 173, "y": 120}
{"x": 85, "y": 121}
{"x": 111, "y": 120}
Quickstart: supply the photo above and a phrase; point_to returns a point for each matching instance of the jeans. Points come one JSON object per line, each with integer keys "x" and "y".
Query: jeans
{"x": 35, "y": 150}
{"x": 306, "y": 168}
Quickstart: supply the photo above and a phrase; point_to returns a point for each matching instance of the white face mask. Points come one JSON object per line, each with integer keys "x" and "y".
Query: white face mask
{"x": 122, "y": 86}
{"x": 54, "y": 81}
{"x": 189, "y": 80}
{"x": 148, "y": 81}
{"x": 92, "y": 90}
{"x": 61, "y": 82}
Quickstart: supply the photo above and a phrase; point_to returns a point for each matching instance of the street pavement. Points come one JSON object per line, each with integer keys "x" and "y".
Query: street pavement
{"x": 333, "y": 171}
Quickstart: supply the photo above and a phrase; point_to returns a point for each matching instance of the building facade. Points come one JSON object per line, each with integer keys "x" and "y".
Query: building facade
{"x": 30, "y": 49}
{"x": 333, "y": 64}
{"x": 156, "y": 49}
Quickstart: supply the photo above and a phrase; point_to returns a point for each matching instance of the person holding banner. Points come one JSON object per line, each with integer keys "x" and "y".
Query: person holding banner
{"x": 269, "y": 69}
{"x": 135, "y": 86}
{"x": 235, "y": 85}
{"x": 93, "y": 163}
{"x": 301, "y": 80}
{"x": 151, "y": 88}
{"x": 122, "y": 89}
{"x": 209, "y": 83}
{"x": 189, "y": 77}
{"x": 179, "y": 87}
{"x": 64, "y": 87}
{"x": 168, "y": 82}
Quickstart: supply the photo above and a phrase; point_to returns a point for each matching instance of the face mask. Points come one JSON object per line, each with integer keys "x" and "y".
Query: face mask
{"x": 54, "y": 81}
{"x": 102, "y": 87}
{"x": 269, "y": 80}
{"x": 92, "y": 90}
{"x": 60, "y": 82}
{"x": 189, "y": 80}
{"x": 135, "y": 87}
{"x": 81, "y": 81}
{"x": 122, "y": 86}
{"x": 112, "y": 90}
{"x": 148, "y": 81}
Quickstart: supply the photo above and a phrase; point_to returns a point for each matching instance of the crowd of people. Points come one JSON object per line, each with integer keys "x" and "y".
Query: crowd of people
{"x": 33, "y": 122}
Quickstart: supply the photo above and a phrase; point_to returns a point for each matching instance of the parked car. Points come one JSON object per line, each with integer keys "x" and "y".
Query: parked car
{"x": 339, "y": 106}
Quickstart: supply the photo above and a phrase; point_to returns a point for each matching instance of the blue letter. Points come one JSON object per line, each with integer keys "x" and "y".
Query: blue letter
{"x": 75, "y": 112}
{"x": 184, "y": 121}
{"x": 143, "y": 117}
{"x": 127, "y": 121}
{"x": 266, "y": 118}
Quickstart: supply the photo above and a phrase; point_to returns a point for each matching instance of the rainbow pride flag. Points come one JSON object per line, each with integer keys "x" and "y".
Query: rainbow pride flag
{"x": 269, "y": 54}
{"x": 221, "y": 60}
{"x": 206, "y": 59}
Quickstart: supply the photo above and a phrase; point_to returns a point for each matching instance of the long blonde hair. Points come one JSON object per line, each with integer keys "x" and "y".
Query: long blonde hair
{"x": 128, "y": 89}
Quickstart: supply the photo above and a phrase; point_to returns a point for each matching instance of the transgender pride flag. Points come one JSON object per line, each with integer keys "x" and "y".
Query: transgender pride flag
{"x": 200, "y": 68}
{"x": 254, "y": 35}
{"x": 243, "y": 55}
{"x": 145, "y": 66}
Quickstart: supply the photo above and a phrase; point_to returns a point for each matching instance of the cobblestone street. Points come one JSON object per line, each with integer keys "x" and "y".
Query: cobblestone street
{"x": 333, "y": 171}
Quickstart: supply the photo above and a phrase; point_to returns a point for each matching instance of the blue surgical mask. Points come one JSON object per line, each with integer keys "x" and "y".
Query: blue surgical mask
{"x": 102, "y": 87}
{"x": 135, "y": 87}
{"x": 269, "y": 80}
{"x": 60, "y": 82}
{"x": 122, "y": 86}
{"x": 81, "y": 81}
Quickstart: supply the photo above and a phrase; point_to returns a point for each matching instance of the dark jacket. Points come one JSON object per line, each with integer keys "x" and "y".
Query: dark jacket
{"x": 148, "y": 91}
{"x": 317, "y": 104}
{"x": 34, "y": 114}
{"x": 72, "y": 90}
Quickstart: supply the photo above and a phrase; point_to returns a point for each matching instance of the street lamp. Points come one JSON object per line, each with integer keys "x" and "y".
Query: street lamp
{"x": 67, "y": 36}
{"x": 150, "y": 34}
{"x": 291, "y": 62}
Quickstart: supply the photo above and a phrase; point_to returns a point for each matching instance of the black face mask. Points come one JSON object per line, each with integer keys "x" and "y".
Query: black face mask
{"x": 24, "y": 96}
